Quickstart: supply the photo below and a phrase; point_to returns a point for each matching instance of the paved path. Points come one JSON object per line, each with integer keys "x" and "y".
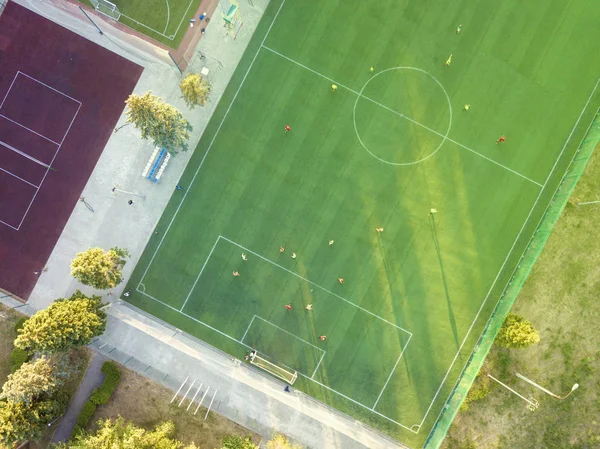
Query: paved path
{"x": 93, "y": 378}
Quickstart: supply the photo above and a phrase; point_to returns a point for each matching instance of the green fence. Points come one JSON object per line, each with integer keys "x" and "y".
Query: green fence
{"x": 509, "y": 295}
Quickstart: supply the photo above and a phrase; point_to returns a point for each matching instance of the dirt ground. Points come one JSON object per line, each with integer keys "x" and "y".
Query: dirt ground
{"x": 146, "y": 403}
{"x": 561, "y": 299}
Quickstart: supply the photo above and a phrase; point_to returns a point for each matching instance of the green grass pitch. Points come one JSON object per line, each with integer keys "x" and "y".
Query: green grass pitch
{"x": 163, "y": 20}
{"x": 381, "y": 151}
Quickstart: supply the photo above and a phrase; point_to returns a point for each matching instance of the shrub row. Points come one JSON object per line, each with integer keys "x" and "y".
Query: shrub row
{"x": 17, "y": 358}
{"x": 101, "y": 395}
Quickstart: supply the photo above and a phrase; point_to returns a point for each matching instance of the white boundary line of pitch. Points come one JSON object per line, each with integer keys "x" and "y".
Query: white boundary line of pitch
{"x": 241, "y": 342}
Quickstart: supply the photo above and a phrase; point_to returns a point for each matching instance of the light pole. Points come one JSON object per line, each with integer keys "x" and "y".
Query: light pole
{"x": 545, "y": 390}
{"x": 588, "y": 202}
{"x": 116, "y": 189}
{"x": 54, "y": 420}
{"x": 533, "y": 403}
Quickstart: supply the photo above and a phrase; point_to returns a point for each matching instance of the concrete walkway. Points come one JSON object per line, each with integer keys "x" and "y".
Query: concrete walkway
{"x": 243, "y": 394}
{"x": 93, "y": 378}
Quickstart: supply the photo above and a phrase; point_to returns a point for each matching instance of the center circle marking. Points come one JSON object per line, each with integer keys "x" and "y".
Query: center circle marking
{"x": 402, "y": 116}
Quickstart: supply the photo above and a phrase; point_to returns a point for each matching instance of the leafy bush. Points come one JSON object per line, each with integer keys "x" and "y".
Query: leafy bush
{"x": 102, "y": 394}
{"x": 19, "y": 324}
{"x": 85, "y": 416}
{"x": 17, "y": 358}
{"x": 237, "y": 442}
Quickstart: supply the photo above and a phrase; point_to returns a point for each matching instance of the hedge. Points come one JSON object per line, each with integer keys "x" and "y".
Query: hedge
{"x": 102, "y": 394}
{"x": 85, "y": 416}
{"x": 17, "y": 358}
{"x": 19, "y": 324}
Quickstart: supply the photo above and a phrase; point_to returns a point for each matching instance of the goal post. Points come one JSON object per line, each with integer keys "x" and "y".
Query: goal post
{"x": 107, "y": 8}
{"x": 273, "y": 369}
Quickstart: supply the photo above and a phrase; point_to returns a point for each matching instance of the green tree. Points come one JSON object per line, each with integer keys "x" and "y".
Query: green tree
{"x": 517, "y": 332}
{"x": 159, "y": 122}
{"x": 66, "y": 323}
{"x": 99, "y": 269}
{"x": 236, "y": 442}
{"x": 31, "y": 398}
{"x": 32, "y": 382}
{"x": 281, "y": 442}
{"x": 195, "y": 90}
{"x": 122, "y": 434}
{"x": 20, "y": 422}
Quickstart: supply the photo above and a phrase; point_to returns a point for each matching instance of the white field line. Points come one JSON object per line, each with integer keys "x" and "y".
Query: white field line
{"x": 199, "y": 274}
{"x": 248, "y": 328}
{"x": 391, "y": 373}
{"x": 28, "y": 129}
{"x": 210, "y": 145}
{"x": 289, "y": 333}
{"x": 403, "y": 116}
{"x": 315, "y": 285}
{"x": 50, "y": 165}
{"x": 249, "y": 347}
{"x": 512, "y": 248}
{"x": 357, "y": 403}
{"x": 191, "y": 317}
{"x": 171, "y": 37}
{"x": 168, "y": 16}
{"x": 318, "y": 365}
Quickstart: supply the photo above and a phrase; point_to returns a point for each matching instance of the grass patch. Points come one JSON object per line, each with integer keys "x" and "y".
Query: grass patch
{"x": 146, "y": 403}
{"x": 8, "y": 320}
{"x": 563, "y": 305}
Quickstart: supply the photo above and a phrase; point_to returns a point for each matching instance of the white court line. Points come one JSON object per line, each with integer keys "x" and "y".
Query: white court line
{"x": 185, "y": 194}
{"x": 50, "y": 165}
{"x": 316, "y": 285}
{"x": 401, "y": 115}
{"x": 9, "y": 225}
{"x": 49, "y": 87}
{"x": 200, "y": 274}
{"x": 28, "y": 129}
{"x": 25, "y": 155}
{"x": 391, "y": 373}
{"x": 19, "y": 178}
{"x": 9, "y": 88}
{"x": 513, "y": 246}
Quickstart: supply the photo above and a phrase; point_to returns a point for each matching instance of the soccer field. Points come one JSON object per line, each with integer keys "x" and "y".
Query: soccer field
{"x": 382, "y": 150}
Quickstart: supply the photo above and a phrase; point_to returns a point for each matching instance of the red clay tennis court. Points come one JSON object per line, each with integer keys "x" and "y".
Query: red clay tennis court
{"x": 60, "y": 98}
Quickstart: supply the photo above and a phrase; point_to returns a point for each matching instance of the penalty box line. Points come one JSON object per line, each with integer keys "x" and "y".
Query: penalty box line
{"x": 323, "y": 352}
{"x": 399, "y": 114}
{"x": 314, "y": 284}
{"x": 410, "y": 429}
